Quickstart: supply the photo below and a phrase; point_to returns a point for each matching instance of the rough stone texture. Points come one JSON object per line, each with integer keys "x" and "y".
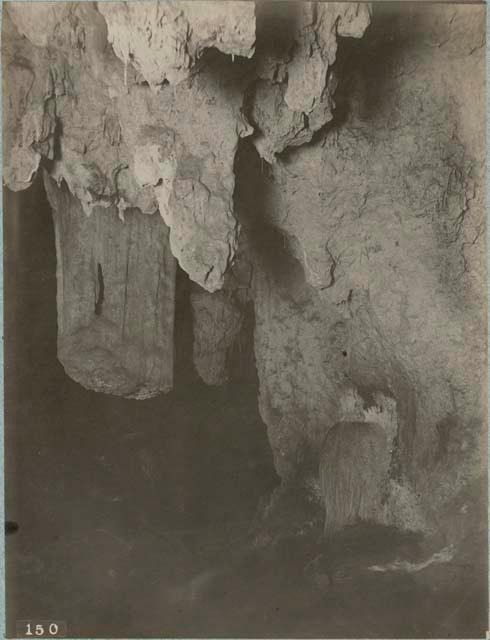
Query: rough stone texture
{"x": 372, "y": 279}
{"x": 105, "y": 121}
{"x": 119, "y": 143}
{"x": 118, "y": 136}
{"x": 28, "y": 109}
{"x": 116, "y": 296}
{"x": 363, "y": 240}
{"x": 188, "y": 162}
{"x": 163, "y": 40}
{"x": 353, "y": 489}
{"x": 223, "y": 333}
{"x": 297, "y": 48}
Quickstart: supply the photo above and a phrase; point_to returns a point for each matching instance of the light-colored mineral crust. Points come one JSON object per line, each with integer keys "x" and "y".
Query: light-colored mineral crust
{"x": 114, "y": 140}
{"x": 187, "y": 159}
{"x": 29, "y": 112}
{"x": 163, "y": 40}
{"x": 117, "y": 136}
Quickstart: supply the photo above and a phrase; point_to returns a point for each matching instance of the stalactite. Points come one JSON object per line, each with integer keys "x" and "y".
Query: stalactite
{"x": 116, "y": 297}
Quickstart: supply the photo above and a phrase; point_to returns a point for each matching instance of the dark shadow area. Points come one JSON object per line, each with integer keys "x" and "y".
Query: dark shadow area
{"x": 269, "y": 245}
{"x": 364, "y": 66}
{"x": 277, "y": 23}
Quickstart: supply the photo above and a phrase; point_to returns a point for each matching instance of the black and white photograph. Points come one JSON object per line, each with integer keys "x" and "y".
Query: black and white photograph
{"x": 245, "y": 319}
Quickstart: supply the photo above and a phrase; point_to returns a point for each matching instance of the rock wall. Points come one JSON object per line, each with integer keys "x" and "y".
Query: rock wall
{"x": 292, "y": 97}
{"x": 369, "y": 287}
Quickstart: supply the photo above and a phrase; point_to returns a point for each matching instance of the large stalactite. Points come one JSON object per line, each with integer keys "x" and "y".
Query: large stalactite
{"x": 280, "y": 155}
{"x": 111, "y": 338}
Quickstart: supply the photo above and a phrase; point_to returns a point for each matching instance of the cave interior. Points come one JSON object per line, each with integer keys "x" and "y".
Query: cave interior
{"x": 195, "y": 394}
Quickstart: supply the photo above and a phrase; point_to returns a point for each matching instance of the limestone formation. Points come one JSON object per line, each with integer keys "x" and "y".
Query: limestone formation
{"x": 323, "y": 160}
{"x": 29, "y": 109}
{"x": 116, "y": 295}
{"x": 120, "y": 143}
{"x": 376, "y": 278}
{"x": 119, "y": 134}
{"x": 164, "y": 40}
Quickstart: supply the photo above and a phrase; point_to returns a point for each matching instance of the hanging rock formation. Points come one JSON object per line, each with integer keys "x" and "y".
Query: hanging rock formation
{"x": 165, "y": 40}
{"x": 119, "y": 142}
{"x": 293, "y": 96}
{"x": 111, "y": 338}
{"x": 352, "y": 215}
{"x": 153, "y": 121}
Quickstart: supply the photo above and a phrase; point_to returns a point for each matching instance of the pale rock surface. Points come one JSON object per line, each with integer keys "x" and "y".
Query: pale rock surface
{"x": 163, "y": 40}
{"x": 120, "y": 144}
{"x": 29, "y": 112}
{"x": 96, "y": 111}
{"x": 377, "y": 279}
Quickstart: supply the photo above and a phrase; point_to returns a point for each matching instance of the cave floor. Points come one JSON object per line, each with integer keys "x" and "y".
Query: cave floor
{"x": 139, "y": 518}
{"x": 105, "y": 568}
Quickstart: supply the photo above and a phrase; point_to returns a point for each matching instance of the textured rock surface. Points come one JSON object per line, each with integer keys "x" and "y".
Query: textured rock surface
{"x": 361, "y": 242}
{"x": 118, "y": 136}
{"x": 119, "y": 143}
{"x": 28, "y": 110}
{"x": 188, "y": 163}
{"x": 116, "y": 295}
{"x": 297, "y": 48}
{"x": 371, "y": 279}
{"x": 164, "y": 40}
{"x": 141, "y": 125}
